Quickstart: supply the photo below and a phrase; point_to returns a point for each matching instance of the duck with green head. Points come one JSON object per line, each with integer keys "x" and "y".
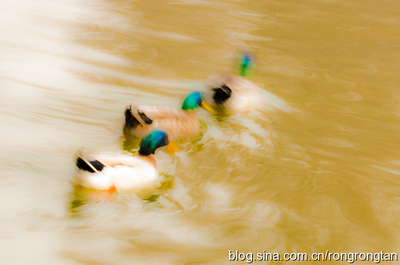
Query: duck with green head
{"x": 120, "y": 171}
{"x": 177, "y": 123}
{"x": 235, "y": 91}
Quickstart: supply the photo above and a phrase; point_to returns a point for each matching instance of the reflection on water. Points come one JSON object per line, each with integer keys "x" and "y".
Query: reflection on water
{"x": 320, "y": 175}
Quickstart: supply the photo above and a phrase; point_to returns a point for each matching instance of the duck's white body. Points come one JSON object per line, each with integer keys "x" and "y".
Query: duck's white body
{"x": 246, "y": 95}
{"x": 124, "y": 172}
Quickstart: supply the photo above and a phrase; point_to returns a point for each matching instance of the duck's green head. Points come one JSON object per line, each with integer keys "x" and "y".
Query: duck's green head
{"x": 154, "y": 140}
{"x": 246, "y": 64}
{"x": 195, "y": 100}
{"x": 151, "y": 142}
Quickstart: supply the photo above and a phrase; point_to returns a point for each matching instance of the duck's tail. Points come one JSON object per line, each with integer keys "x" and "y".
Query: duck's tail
{"x": 90, "y": 166}
{"x": 221, "y": 94}
{"x": 134, "y": 117}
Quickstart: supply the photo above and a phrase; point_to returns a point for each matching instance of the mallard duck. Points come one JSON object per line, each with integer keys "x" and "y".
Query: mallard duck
{"x": 123, "y": 172}
{"x": 240, "y": 95}
{"x": 235, "y": 92}
{"x": 177, "y": 123}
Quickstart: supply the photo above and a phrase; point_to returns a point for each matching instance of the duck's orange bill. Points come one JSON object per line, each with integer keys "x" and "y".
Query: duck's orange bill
{"x": 207, "y": 107}
{"x": 172, "y": 148}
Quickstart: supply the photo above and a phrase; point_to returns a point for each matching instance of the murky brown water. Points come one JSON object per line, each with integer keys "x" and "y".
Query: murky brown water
{"x": 323, "y": 176}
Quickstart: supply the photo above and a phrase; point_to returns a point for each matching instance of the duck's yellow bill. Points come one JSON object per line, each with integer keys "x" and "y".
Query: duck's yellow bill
{"x": 207, "y": 107}
{"x": 172, "y": 148}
